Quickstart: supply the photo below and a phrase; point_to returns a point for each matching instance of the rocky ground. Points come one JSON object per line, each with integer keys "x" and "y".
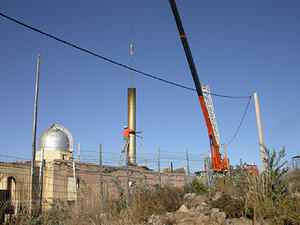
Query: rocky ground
{"x": 197, "y": 210}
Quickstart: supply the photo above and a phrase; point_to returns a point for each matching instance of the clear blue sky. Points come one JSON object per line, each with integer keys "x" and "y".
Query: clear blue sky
{"x": 238, "y": 46}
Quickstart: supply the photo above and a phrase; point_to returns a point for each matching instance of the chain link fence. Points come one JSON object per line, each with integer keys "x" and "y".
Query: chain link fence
{"x": 70, "y": 182}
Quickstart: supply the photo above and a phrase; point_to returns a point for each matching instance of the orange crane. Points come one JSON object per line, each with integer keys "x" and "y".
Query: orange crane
{"x": 218, "y": 163}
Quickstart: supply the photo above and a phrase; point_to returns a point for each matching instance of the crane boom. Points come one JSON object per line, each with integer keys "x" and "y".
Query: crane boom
{"x": 211, "y": 113}
{"x": 219, "y": 164}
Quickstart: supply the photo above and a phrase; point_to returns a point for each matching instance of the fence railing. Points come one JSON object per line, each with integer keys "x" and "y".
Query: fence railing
{"x": 67, "y": 180}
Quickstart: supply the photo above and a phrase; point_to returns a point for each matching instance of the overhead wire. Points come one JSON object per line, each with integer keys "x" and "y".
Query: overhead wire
{"x": 131, "y": 68}
{"x": 110, "y": 60}
{"x": 240, "y": 124}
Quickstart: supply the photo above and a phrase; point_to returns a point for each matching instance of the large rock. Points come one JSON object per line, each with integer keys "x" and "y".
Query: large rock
{"x": 192, "y": 201}
{"x": 183, "y": 208}
{"x": 219, "y": 217}
{"x": 238, "y": 221}
{"x": 153, "y": 219}
{"x": 217, "y": 196}
{"x": 203, "y": 219}
{"x": 214, "y": 211}
{"x": 189, "y": 195}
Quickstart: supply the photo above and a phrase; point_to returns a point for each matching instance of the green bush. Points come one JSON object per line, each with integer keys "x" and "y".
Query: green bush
{"x": 270, "y": 197}
{"x": 198, "y": 187}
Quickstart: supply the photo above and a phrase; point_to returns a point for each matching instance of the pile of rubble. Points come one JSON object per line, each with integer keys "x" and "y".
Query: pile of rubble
{"x": 197, "y": 210}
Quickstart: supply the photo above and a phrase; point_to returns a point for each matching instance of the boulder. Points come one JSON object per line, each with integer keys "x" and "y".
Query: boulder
{"x": 153, "y": 219}
{"x": 183, "y": 208}
{"x": 214, "y": 211}
{"x": 217, "y": 196}
{"x": 203, "y": 219}
{"x": 189, "y": 195}
{"x": 238, "y": 221}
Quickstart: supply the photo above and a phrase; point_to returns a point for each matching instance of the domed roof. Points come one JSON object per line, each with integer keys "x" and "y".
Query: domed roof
{"x": 55, "y": 139}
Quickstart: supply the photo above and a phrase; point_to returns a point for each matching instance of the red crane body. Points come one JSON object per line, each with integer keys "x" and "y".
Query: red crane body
{"x": 218, "y": 164}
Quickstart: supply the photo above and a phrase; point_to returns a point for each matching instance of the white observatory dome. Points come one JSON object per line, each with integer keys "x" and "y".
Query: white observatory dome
{"x": 56, "y": 138}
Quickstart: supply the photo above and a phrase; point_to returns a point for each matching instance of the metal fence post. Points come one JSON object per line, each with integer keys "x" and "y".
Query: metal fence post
{"x": 188, "y": 170}
{"x": 75, "y": 184}
{"x": 209, "y": 173}
{"x": 127, "y": 178}
{"x": 101, "y": 180}
{"x": 41, "y": 182}
{"x": 158, "y": 167}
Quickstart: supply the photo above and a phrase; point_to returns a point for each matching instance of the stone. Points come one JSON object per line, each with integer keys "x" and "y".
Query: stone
{"x": 217, "y": 196}
{"x": 203, "y": 219}
{"x": 195, "y": 200}
{"x": 238, "y": 221}
{"x": 246, "y": 221}
{"x": 190, "y": 195}
{"x": 214, "y": 210}
{"x": 200, "y": 207}
{"x": 207, "y": 211}
{"x": 153, "y": 219}
{"x": 183, "y": 208}
{"x": 221, "y": 217}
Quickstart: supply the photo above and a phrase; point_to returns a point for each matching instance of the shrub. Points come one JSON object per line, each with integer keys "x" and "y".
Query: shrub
{"x": 232, "y": 207}
{"x": 198, "y": 187}
{"x": 146, "y": 201}
{"x": 293, "y": 179}
{"x": 267, "y": 197}
{"x": 265, "y": 192}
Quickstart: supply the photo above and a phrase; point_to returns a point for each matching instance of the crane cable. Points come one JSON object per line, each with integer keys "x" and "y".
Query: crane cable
{"x": 110, "y": 60}
{"x": 131, "y": 41}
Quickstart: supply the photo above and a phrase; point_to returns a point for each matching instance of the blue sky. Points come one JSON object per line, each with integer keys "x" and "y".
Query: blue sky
{"x": 238, "y": 47}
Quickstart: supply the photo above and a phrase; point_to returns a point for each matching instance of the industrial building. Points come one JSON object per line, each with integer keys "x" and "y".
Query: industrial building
{"x": 59, "y": 180}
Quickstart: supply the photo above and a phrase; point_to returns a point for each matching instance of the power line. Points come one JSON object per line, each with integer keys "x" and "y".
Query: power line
{"x": 241, "y": 122}
{"x": 110, "y": 60}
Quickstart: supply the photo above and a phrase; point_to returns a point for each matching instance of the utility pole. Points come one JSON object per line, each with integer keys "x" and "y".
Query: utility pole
{"x": 34, "y": 135}
{"x": 259, "y": 126}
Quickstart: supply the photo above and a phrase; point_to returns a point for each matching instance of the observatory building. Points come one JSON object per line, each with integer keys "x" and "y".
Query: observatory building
{"x": 56, "y": 142}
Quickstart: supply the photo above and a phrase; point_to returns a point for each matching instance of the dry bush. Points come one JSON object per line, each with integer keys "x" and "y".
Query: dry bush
{"x": 266, "y": 197}
{"x": 88, "y": 209}
{"x": 293, "y": 179}
{"x": 147, "y": 200}
{"x": 234, "y": 208}
{"x": 55, "y": 215}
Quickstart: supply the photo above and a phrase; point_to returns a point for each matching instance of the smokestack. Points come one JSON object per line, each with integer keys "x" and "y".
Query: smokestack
{"x": 132, "y": 125}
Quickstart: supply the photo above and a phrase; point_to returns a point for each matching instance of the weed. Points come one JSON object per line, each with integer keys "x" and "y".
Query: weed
{"x": 267, "y": 197}
{"x": 232, "y": 207}
{"x": 198, "y": 187}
